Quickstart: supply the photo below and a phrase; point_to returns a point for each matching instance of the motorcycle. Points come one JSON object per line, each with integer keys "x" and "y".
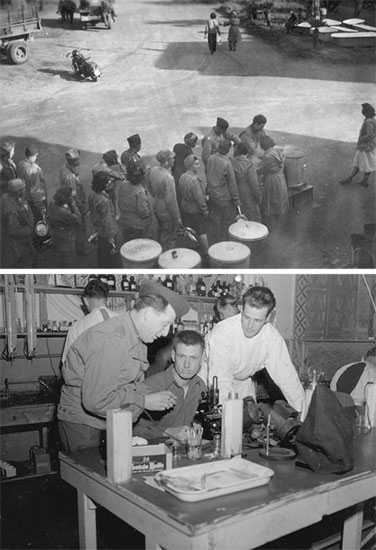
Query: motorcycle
{"x": 82, "y": 65}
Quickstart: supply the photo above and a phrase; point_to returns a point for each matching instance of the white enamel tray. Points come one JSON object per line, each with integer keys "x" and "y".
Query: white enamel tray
{"x": 213, "y": 479}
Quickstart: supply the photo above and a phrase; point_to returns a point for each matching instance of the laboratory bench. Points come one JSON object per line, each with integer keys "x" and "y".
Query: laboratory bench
{"x": 294, "y": 498}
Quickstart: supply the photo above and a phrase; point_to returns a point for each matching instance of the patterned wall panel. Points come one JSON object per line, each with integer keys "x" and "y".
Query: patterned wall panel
{"x": 334, "y": 320}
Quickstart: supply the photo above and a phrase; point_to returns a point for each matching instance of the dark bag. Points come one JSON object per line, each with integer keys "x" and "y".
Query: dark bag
{"x": 325, "y": 440}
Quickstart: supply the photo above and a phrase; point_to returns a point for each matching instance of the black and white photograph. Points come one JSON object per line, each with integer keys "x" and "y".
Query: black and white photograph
{"x": 187, "y": 275}
{"x": 188, "y": 411}
{"x": 132, "y": 129}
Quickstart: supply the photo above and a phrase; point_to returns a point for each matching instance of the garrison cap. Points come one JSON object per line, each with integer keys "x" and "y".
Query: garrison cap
{"x": 134, "y": 140}
{"x": 72, "y": 154}
{"x": 222, "y": 124}
{"x": 177, "y": 302}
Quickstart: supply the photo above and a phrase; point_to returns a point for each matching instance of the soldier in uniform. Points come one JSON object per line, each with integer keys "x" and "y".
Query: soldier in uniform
{"x": 70, "y": 177}
{"x": 17, "y": 224}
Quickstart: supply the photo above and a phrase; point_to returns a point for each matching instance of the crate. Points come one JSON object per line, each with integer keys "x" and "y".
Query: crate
{"x": 301, "y": 196}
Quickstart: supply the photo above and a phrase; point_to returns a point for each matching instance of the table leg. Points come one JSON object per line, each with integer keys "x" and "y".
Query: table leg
{"x": 87, "y": 527}
{"x": 43, "y": 437}
{"x": 352, "y": 529}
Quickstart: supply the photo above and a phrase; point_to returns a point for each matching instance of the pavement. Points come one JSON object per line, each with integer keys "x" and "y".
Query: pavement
{"x": 160, "y": 81}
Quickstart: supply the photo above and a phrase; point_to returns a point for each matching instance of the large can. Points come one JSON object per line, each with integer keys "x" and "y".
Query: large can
{"x": 140, "y": 253}
{"x": 294, "y": 165}
{"x": 179, "y": 258}
{"x": 229, "y": 255}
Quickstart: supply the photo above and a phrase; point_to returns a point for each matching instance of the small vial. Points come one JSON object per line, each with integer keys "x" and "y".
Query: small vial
{"x": 175, "y": 451}
{"x": 217, "y": 445}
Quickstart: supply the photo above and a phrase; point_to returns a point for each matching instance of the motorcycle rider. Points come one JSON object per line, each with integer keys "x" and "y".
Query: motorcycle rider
{"x": 83, "y": 67}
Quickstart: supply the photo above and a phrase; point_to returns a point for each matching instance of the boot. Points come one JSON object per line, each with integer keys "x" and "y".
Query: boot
{"x": 363, "y": 182}
{"x": 346, "y": 181}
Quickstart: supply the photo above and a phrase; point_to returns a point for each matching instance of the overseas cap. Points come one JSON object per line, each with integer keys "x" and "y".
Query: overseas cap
{"x": 134, "y": 140}
{"x": 16, "y": 185}
{"x": 177, "y": 302}
{"x": 72, "y": 154}
{"x": 222, "y": 124}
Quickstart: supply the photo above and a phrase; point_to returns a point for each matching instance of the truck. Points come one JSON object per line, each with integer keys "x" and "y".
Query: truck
{"x": 16, "y": 29}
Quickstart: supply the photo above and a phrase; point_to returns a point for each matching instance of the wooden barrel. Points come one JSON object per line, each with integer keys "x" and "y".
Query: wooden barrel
{"x": 140, "y": 253}
{"x": 230, "y": 255}
{"x": 178, "y": 258}
{"x": 294, "y": 165}
{"x": 245, "y": 231}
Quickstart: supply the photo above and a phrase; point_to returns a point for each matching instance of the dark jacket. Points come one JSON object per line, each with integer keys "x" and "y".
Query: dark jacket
{"x": 63, "y": 222}
{"x": 134, "y": 206}
{"x": 17, "y": 223}
{"x": 102, "y": 215}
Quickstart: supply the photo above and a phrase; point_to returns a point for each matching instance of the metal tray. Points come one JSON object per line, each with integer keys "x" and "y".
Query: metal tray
{"x": 213, "y": 479}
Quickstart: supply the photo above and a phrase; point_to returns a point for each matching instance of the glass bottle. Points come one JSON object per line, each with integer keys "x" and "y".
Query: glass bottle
{"x": 124, "y": 283}
{"x": 132, "y": 284}
{"x": 111, "y": 281}
{"x": 168, "y": 282}
{"x": 190, "y": 287}
{"x": 201, "y": 287}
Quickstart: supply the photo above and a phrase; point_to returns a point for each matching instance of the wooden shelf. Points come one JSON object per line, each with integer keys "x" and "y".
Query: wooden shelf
{"x": 47, "y": 289}
{"x": 40, "y": 334}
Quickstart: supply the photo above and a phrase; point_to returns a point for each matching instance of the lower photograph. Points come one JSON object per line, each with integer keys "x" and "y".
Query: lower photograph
{"x": 188, "y": 411}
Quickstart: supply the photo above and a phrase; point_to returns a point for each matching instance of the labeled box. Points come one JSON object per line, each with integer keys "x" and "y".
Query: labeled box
{"x": 149, "y": 459}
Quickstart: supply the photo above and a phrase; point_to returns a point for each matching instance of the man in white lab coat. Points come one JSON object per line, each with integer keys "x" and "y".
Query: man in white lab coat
{"x": 241, "y": 345}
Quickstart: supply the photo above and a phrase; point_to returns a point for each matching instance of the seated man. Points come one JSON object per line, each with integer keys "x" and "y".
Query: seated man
{"x": 181, "y": 379}
{"x": 355, "y": 378}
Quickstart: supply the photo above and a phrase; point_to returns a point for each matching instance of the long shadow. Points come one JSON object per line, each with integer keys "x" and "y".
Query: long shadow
{"x": 178, "y": 22}
{"x": 52, "y": 23}
{"x": 168, "y": 3}
{"x": 65, "y": 75}
{"x": 194, "y": 56}
{"x": 312, "y": 235}
{"x": 56, "y": 23}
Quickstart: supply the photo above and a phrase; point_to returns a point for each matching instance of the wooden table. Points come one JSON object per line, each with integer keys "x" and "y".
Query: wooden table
{"x": 295, "y": 498}
{"x": 23, "y": 418}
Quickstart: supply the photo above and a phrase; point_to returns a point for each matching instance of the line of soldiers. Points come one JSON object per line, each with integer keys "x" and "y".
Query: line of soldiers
{"x": 130, "y": 199}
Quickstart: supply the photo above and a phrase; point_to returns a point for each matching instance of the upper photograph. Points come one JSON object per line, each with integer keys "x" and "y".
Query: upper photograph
{"x": 185, "y": 134}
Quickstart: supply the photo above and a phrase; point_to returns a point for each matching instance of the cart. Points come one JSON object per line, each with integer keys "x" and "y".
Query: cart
{"x": 16, "y": 29}
{"x": 93, "y": 12}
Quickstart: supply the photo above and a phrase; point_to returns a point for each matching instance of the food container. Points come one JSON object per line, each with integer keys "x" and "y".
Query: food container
{"x": 229, "y": 255}
{"x": 140, "y": 253}
{"x": 179, "y": 258}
